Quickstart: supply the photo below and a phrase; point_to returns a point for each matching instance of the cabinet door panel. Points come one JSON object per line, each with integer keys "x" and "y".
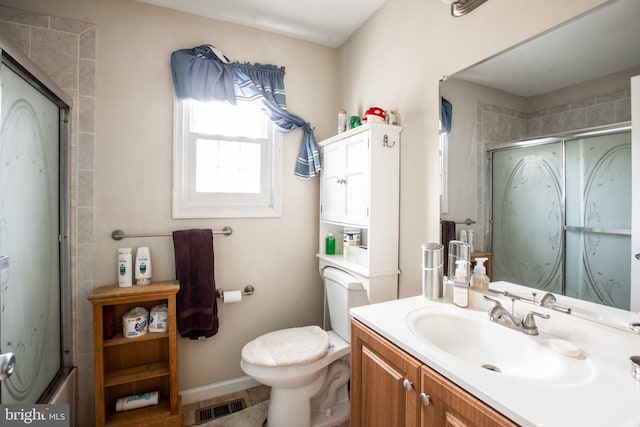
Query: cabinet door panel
{"x": 451, "y": 406}
{"x": 357, "y": 200}
{"x": 356, "y": 174}
{"x": 379, "y": 398}
{"x": 332, "y": 188}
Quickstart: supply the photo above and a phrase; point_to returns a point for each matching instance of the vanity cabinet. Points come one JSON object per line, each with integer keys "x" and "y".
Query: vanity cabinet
{"x": 391, "y": 388}
{"x": 378, "y": 374}
{"x": 359, "y": 189}
{"x": 130, "y": 366}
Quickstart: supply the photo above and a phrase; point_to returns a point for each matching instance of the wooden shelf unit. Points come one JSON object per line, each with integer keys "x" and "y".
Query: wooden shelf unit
{"x": 129, "y": 366}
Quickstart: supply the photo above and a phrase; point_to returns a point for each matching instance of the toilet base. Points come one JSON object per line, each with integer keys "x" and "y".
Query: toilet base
{"x": 339, "y": 414}
{"x": 291, "y": 407}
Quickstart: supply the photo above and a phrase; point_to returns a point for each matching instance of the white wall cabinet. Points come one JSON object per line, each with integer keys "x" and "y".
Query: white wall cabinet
{"x": 359, "y": 189}
{"x": 345, "y": 181}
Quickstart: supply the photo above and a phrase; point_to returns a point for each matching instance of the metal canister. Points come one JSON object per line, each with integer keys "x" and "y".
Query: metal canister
{"x": 432, "y": 270}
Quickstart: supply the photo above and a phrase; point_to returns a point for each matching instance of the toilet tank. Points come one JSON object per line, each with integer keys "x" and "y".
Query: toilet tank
{"x": 344, "y": 291}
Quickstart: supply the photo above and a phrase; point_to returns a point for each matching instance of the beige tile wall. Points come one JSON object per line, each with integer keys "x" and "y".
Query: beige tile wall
{"x": 66, "y": 51}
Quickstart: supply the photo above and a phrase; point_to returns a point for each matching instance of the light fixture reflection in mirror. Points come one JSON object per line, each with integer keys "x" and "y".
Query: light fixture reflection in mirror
{"x": 514, "y": 111}
{"x": 462, "y": 7}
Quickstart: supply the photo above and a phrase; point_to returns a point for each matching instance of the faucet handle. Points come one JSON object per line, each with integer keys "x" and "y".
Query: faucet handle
{"x": 547, "y": 299}
{"x": 529, "y": 323}
{"x": 497, "y": 310}
{"x": 493, "y": 300}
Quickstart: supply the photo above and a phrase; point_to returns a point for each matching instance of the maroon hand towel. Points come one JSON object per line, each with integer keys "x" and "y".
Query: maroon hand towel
{"x": 448, "y": 233}
{"x": 197, "y": 308}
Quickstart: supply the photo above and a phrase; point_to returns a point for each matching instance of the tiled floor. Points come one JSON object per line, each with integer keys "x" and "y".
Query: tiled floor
{"x": 254, "y": 415}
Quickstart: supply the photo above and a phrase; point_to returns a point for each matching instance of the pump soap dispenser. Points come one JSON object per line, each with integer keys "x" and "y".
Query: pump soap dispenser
{"x": 480, "y": 279}
{"x": 461, "y": 285}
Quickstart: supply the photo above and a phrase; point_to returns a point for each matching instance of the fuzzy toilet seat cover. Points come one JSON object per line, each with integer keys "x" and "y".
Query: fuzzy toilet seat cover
{"x": 287, "y": 347}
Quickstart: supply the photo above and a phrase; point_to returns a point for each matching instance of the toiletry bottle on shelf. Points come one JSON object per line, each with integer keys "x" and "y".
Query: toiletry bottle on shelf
{"x": 461, "y": 285}
{"x": 480, "y": 279}
{"x": 330, "y": 244}
{"x": 143, "y": 266}
{"x": 124, "y": 267}
{"x": 463, "y": 236}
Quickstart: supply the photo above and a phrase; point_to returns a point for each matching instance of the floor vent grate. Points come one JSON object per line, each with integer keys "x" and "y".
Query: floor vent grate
{"x": 211, "y": 412}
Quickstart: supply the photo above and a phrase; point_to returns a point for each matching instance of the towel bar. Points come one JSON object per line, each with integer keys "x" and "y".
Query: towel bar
{"x": 119, "y": 234}
{"x": 467, "y": 221}
{"x": 248, "y": 290}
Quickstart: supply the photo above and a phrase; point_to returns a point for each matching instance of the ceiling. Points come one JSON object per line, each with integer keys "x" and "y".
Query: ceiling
{"x": 598, "y": 43}
{"x": 327, "y": 22}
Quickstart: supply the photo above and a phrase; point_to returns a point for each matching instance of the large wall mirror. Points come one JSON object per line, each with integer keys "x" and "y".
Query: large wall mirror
{"x": 539, "y": 156}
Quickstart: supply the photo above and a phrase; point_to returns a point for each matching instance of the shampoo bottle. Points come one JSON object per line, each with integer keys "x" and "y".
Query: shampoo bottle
{"x": 480, "y": 279}
{"x": 143, "y": 266}
{"x": 461, "y": 285}
{"x": 124, "y": 267}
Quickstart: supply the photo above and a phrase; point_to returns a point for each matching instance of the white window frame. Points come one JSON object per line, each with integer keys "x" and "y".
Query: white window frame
{"x": 187, "y": 203}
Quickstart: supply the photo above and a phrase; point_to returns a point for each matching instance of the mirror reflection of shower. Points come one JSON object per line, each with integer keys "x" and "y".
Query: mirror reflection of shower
{"x": 561, "y": 215}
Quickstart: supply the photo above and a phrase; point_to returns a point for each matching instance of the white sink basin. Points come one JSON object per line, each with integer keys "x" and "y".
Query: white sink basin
{"x": 470, "y": 336}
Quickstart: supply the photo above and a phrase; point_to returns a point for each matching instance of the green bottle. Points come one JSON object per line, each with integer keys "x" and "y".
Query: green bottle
{"x": 330, "y": 244}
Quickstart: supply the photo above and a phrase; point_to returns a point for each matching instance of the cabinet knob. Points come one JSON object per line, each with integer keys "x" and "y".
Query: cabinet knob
{"x": 408, "y": 385}
{"x": 424, "y": 399}
{"x": 341, "y": 181}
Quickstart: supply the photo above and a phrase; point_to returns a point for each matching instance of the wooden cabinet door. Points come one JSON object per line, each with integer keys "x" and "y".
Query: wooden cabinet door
{"x": 451, "y": 406}
{"x": 378, "y": 373}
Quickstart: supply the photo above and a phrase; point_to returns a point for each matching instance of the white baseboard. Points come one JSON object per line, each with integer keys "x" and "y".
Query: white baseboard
{"x": 221, "y": 388}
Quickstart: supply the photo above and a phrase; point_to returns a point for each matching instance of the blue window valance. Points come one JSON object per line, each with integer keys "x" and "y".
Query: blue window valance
{"x": 203, "y": 73}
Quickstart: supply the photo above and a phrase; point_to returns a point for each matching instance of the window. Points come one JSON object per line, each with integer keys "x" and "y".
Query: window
{"x": 227, "y": 161}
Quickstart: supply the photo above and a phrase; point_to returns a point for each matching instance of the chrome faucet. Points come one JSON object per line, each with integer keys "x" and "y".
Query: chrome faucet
{"x": 500, "y": 315}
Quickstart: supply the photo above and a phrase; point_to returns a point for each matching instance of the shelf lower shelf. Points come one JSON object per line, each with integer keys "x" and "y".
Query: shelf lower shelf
{"x": 156, "y": 415}
{"x": 136, "y": 373}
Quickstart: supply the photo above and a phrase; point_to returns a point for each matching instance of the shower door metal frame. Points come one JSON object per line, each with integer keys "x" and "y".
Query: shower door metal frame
{"x": 560, "y": 138}
{"x": 23, "y": 66}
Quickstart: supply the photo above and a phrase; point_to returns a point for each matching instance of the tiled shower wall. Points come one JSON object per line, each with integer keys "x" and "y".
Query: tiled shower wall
{"x": 65, "y": 50}
{"x": 495, "y": 125}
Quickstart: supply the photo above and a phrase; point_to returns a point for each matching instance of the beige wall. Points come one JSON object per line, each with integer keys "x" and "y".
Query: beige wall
{"x": 465, "y": 151}
{"x": 396, "y": 60}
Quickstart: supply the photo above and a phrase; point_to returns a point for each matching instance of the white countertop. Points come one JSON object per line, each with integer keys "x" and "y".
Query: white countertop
{"x": 607, "y": 395}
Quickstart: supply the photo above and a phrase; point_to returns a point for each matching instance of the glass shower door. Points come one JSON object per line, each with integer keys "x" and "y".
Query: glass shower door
{"x": 527, "y": 216}
{"x": 598, "y": 219}
{"x": 29, "y": 236}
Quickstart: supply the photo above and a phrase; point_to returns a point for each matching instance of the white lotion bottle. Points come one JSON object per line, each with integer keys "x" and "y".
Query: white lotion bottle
{"x": 143, "y": 266}
{"x": 461, "y": 285}
{"x": 124, "y": 267}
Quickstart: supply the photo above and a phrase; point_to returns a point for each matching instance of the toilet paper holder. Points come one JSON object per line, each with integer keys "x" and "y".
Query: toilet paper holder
{"x": 248, "y": 290}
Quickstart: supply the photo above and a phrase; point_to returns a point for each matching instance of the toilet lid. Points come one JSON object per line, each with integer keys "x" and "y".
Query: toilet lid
{"x": 287, "y": 347}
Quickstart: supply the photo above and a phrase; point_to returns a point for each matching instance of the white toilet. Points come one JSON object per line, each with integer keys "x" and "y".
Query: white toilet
{"x": 307, "y": 368}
